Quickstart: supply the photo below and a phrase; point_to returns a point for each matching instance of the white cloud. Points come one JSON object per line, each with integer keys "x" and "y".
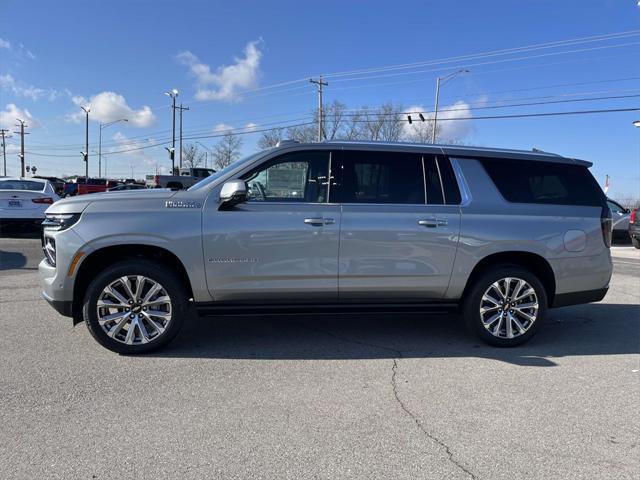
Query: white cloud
{"x": 9, "y": 116}
{"x": 10, "y": 84}
{"x": 251, "y": 126}
{"x": 448, "y": 131}
{"x": 222, "y": 128}
{"x": 227, "y": 82}
{"x": 110, "y": 106}
{"x": 141, "y": 160}
{"x": 5, "y": 44}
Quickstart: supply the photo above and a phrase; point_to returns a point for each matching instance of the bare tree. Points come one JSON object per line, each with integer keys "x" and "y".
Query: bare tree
{"x": 304, "y": 133}
{"x": 334, "y": 119}
{"x": 270, "y": 138}
{"x": 227, "y": 151}
{"x": 390, "y": 118}
{"x": 418, "y": 131}
{"x": 192, "y": 157}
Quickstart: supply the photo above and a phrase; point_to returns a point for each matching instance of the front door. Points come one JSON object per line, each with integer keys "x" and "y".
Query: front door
{"x": 282, "y": 244}
{"x": 398, "y": 233}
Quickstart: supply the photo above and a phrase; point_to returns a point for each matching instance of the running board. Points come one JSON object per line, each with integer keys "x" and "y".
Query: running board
{"x": 207, "y": 309}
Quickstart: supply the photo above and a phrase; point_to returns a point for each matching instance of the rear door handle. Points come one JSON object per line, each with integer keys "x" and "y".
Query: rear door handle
{"x": 319, "y": 221}
{"x": 432, "y": 223}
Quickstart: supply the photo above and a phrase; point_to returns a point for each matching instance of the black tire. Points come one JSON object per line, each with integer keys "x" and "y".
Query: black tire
{"x": 473, "y": 301}
{"x": 168, "y": 280}
{"x": 635, "y": 242}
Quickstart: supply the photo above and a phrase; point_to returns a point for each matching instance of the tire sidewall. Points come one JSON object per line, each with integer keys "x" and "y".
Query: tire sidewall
{"x": 164, "y": 276}
{"x": 473, "y": 300}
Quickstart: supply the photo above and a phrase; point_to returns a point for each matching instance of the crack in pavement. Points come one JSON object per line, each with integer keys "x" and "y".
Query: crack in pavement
{"x": 394, "y": 386}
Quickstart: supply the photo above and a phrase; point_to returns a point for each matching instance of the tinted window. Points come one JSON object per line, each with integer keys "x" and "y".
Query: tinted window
{"x": 298, "y": 176}
{"x": 449, "y": 182}
{"x": 524, "y": 181}
{"x": 381, "y": 177}
{"x": 616, "y": 207}
{"x": 21, "y": 185}
{"x": 432, "y": 178}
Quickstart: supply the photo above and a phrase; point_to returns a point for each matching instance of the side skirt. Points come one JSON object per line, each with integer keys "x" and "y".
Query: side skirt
{"x": 209, "y": 309}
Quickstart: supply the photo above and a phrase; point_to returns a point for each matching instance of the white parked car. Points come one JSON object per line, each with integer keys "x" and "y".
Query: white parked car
{"x": 25, "y": 200}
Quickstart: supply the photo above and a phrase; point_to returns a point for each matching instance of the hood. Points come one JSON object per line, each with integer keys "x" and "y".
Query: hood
{"x": 78, "y": 203}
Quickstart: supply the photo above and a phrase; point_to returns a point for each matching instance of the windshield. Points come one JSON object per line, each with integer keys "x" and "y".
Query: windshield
{"x": 220, "y": 173}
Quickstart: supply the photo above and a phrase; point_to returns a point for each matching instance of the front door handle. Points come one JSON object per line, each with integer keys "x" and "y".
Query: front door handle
{"x": 317, "y": 221}
{"x": 432, "y": 223}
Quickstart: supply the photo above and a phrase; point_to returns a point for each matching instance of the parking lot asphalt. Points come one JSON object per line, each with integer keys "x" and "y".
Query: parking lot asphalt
{"x": 377, "y": 396}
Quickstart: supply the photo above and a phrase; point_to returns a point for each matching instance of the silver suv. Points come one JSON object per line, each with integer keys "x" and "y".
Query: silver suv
{"x": 501, "y": 235}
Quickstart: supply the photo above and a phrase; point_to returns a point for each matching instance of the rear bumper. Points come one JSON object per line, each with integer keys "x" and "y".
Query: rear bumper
{"x": 576, "y": 298}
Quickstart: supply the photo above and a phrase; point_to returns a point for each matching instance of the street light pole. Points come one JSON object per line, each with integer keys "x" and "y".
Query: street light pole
{"x": 86, "y": 142}
{"x": 441, "y": 81}
{"x": 3, "y": 133}
{"x": 104, "y": 125}
{"x": 173, "y": 94}
{"x": 22, "y": 126}
{"x": 207, "y": 151}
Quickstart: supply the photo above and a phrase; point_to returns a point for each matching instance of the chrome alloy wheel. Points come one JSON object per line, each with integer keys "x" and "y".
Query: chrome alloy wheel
{"x": 509, "y": 308}
{"x": 134, "y": 310}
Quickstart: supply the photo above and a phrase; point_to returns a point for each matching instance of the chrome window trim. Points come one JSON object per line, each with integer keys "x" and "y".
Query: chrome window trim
{"x": 465, "y": 192}
{"x": 424, "y": 182}
{"x": 444, "y": 198}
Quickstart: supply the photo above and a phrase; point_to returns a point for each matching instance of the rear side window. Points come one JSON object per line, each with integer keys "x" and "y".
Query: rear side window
{"x": 522, "y": 181}
{"x": 382, "y": 177}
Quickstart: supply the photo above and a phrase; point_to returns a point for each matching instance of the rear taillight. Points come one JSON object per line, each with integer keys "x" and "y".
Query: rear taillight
{"x": 47, "y": 200}
{"x": 632, "y": 218}
{"x": 606, "y": 222}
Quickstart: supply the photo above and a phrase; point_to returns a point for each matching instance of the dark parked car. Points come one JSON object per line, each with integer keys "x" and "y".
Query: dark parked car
{"x": 634, "y": 228}
{"x": 127, "y": 186}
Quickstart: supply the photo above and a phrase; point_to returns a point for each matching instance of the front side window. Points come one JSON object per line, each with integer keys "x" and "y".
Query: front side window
{"x": 382, "y": 177}
{"x": 293, "y": 177}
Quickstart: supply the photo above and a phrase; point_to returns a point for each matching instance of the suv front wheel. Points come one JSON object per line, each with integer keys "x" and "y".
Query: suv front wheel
{"x": 506, "y": 306}
{"x": 134, "y": 307}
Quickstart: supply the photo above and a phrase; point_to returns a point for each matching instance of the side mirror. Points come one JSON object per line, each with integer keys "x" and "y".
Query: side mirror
{"x": 233, "y": 192}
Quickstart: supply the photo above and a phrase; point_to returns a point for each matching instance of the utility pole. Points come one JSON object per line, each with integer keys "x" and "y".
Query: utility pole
{"x": 85, "y": 154}
{"x": 22, "y": 126}
{"x": 320, "y": 84}
{"x": 172, "y": 151}
{"x": 3, "y": 133}
{"x": 181, "y": 108}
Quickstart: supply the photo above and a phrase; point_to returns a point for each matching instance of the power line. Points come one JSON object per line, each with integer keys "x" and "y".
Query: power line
{"x": 507, "y": 51}
{"x": 492, "y": 62}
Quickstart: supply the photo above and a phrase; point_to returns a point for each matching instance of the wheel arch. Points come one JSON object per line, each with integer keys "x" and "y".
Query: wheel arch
{"x": 103, "y": 257}
{"x": 532, "y": 262}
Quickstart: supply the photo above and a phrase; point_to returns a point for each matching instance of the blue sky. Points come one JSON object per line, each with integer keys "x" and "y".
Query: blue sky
{"x": 120, "y": 56}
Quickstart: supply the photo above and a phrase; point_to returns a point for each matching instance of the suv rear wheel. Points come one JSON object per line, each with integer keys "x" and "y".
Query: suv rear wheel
{"x": 506, "y": 306}
{"x": 134, "y": 307}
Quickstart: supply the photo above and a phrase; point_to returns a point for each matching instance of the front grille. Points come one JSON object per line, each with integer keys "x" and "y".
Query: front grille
{"x": 49, "y": 249}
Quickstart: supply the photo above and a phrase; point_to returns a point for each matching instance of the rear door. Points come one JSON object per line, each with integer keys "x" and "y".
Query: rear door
{"x": 399, "y": 228}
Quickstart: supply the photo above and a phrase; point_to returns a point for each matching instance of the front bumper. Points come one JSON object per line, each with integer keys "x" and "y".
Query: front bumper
{"x": 63, "y": 307}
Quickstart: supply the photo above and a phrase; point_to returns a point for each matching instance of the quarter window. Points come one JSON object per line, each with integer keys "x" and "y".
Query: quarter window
{"x": 293, "y": 177}
{"x": 525, "y": 181}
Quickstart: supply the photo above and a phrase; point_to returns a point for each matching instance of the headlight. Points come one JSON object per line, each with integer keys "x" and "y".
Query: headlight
{"x": 56, "y": 222}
